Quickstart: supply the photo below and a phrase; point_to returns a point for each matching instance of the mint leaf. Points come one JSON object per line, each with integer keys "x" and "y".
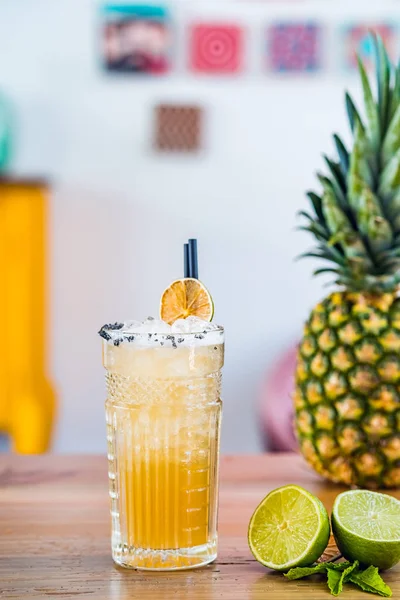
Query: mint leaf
{"x": 336, "y": 579}
{"x": 299, "y": 572}
{"x": 341, "y": 573}
{"x": 337, "y": 566}
{"x": 370, "y": 581}
{"x": 335, "y": 583}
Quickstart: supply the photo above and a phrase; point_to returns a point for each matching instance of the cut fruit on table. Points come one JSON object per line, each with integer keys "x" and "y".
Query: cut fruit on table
{"x": 366, "y": 526}
{"x": 289, "y": 528}
{"x": 184, "y": 298}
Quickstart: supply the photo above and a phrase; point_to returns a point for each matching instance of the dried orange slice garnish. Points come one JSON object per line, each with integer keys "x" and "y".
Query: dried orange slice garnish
{"x": 184, "y": 298}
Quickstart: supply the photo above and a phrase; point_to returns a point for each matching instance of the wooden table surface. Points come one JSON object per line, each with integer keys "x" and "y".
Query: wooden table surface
{"x": 55, "y": 534}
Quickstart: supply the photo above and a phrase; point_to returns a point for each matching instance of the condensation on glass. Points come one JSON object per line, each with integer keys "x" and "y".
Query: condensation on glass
{"x": 163, "y": 413}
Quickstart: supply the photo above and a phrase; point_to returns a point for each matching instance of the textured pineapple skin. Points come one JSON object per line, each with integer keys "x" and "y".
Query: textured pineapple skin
{"x": 347, "y": 393}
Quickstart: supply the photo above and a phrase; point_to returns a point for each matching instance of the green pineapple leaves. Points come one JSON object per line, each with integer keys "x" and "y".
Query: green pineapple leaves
{"x": 391, "y": 142}
{"x": 317, "y": 206}
{"x": 370, "y": 107}
{"x": 356, "y": 218}
{"x": 336, "y": 173}
{"x": 352, "y": 113}
{"x": 371, "y": 221}
{"x": 395, "y": 98}
{"x": 390, "y": 178}
{"x": 343, "y": 154}
{"x": 360, "y": 175}
{"x": 383, "y": 69}
{"x": 338, "y": 224}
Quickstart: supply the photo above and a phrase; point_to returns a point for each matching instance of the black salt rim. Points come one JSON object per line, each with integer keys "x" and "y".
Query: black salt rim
{"x": 109, "y": 327}
{"x": 174, "y": 339}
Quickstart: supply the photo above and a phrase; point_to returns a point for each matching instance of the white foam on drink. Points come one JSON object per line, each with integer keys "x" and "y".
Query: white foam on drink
{"x": 154, "y": 332}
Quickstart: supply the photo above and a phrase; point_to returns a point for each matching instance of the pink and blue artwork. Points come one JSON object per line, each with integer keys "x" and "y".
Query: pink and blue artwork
{"x": 356, "y": 40}
{"x": 294, "y": 47}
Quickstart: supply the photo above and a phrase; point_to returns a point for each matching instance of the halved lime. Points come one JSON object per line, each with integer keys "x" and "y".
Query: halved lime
{"x": 184, "y": 298}
{"x": 366, "y": 526}
{"x": 289, "y": 528}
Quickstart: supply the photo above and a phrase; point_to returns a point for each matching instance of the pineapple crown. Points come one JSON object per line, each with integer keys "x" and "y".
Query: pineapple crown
{"x": 356, "y": 217}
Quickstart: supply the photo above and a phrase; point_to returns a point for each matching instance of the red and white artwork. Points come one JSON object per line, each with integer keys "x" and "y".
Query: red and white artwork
{"x": 216, "y": 48}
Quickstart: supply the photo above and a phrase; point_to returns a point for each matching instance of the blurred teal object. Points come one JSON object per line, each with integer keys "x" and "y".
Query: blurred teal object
{"x": 5, "y": 133}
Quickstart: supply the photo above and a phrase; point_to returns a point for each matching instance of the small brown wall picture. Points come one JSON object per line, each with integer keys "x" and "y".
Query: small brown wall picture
{"x": 178, "y": 128}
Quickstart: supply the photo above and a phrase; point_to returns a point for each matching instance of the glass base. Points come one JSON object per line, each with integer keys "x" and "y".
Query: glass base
{"x": 146, "y": 559}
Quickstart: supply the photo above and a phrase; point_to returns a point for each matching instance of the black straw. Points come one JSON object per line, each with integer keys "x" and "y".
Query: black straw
{"x": 193, "y": 263}
{"x": 186, "y": 264}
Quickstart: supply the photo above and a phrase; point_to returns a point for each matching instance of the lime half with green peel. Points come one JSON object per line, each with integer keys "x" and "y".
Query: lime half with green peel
{"x": 289, "y": 528}
{"x": 184, "y": 298}
{"x": 366, "y": 526}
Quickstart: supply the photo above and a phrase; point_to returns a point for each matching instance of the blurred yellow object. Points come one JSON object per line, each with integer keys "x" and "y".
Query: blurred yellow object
{"x": 27, "y": 400}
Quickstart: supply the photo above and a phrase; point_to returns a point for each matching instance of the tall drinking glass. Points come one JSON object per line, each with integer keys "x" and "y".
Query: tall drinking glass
{"x": 163, "y": 413}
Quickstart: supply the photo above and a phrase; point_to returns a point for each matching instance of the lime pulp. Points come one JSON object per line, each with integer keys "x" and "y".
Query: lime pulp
{"x": 289, "y": 528}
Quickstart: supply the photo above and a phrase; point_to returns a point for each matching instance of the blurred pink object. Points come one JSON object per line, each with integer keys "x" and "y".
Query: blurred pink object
{"x": 276, "y": 407}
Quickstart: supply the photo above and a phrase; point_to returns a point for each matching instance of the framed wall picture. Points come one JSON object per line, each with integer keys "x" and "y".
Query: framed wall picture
{"x": 216, "y": 48}
{"x": 355, "y": 39}
{"x": 178, "y": 128}
{"x": 136, "y": 38}
{"x": 294, "y": 47}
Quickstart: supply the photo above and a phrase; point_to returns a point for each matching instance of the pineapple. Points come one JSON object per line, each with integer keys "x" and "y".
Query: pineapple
{"x": 347, "y": 395}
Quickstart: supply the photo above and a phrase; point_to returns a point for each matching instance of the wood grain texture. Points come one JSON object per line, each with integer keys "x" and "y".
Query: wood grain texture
{"x": 55, "y": 534}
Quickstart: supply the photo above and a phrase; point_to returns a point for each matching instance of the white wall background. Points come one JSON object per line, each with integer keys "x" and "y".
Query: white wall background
{"x": 120, "y": 213}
